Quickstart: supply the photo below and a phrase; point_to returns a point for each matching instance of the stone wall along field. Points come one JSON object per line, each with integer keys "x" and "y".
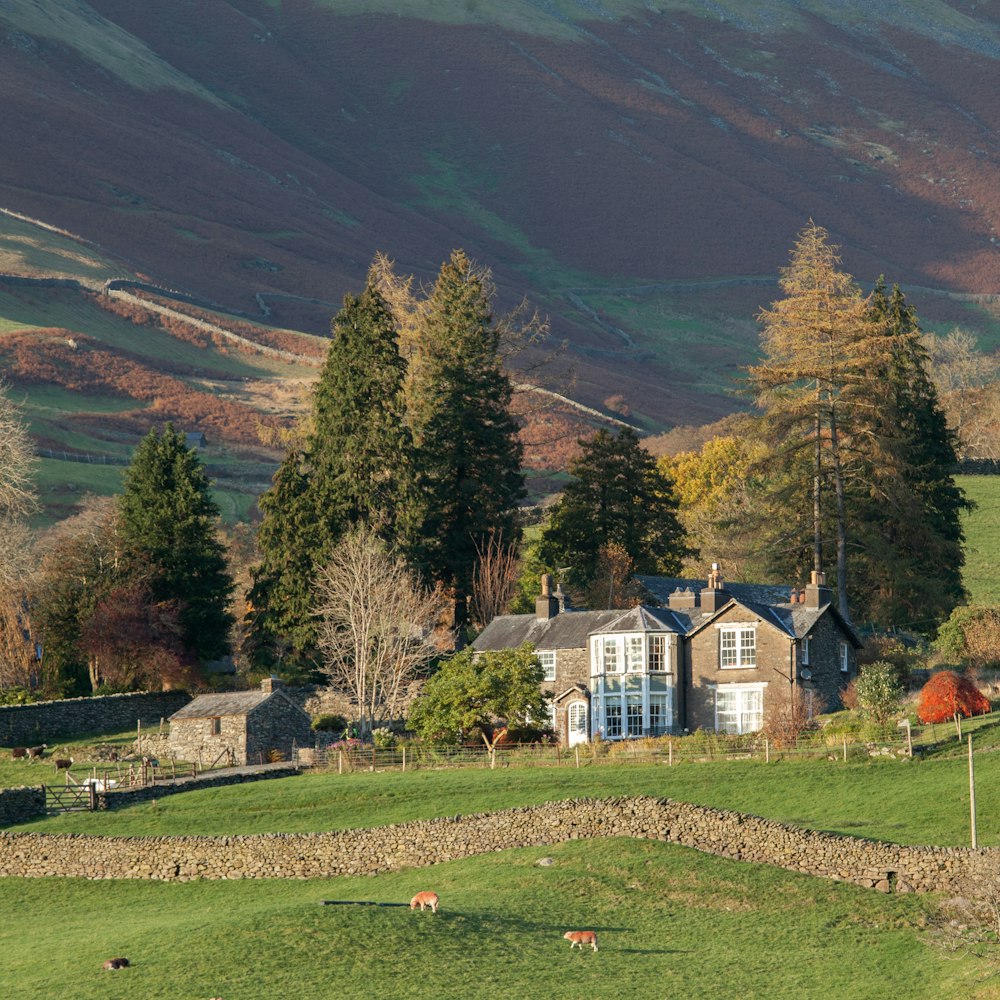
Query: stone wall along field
{"x": 44, "y": 721}
{"x": 886, "y": 867}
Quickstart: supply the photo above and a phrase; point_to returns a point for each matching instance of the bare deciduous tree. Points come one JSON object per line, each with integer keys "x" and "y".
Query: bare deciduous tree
{"x": 376, "y": 624}
{"x": 494, "y": 579}
{"x": 17, "y": 494}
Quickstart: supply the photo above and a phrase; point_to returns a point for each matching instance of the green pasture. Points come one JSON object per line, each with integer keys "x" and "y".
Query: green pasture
{"x": 918, "y": 802}
{"x": 80, "y": 748}
{"x": 31, "y": 250}
{"x": 671, "y": 922}
{"x": 982, "y": 539}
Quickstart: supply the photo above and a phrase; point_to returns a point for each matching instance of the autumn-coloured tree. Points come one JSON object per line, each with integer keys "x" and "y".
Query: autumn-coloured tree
{"x": 948, "y": 695}
{"x": 817, "y": 344}
{"x": 133, "y": 641}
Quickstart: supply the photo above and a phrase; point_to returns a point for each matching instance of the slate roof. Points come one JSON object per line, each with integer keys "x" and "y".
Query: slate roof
{"x": 209, "y": 706}
{"x": 661, "y": 587}
{"x": 643, "y": 619}
{"x": 567, "y": 630}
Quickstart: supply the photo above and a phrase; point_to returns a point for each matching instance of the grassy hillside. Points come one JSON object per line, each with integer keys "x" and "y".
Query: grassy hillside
{"x": 982, "y": 534}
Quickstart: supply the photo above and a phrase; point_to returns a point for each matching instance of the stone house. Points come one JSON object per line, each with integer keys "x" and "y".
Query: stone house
{"x": 243, "y": 727}
{"x": 713, "y": 657}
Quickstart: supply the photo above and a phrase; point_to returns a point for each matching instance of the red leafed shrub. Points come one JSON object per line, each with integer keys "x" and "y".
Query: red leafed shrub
{"x": 947, "y": 695}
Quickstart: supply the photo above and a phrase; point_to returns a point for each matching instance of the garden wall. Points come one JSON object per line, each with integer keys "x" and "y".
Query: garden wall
{"x": 44, "y": 721}
{"x": 18, "y": 805}
{"x": 886, "y": 867}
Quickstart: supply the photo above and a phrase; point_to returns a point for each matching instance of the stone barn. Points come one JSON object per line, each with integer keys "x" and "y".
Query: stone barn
{"x": 241, "y": 726}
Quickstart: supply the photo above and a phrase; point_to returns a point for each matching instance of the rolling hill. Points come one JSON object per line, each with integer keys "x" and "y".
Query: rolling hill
{"x": 637, "y": 168}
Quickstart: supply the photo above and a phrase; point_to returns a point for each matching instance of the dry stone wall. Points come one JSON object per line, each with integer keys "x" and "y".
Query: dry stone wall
{"x": 886, "y": 867}
{"x": 44, "y": 721}
{"x": 18, "y": 805}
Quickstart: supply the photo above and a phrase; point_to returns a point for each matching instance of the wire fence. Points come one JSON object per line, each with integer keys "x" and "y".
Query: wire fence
{"x": 668, "y": 753}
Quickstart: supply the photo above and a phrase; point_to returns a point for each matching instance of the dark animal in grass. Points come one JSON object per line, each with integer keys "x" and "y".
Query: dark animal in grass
{"x": 116, "y": 963}
{"x": 581, "y": 938}
{"x": 35, "y": 753}
{"x": 63, "y": 763}
{"x": 19, "y": 753}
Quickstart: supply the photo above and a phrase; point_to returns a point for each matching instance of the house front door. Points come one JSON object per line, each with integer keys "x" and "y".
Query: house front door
{"x": 576, "y": 722}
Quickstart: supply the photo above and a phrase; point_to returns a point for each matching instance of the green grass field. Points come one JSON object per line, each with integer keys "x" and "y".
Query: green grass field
{"x": 982, "y": 539}
{"x": 671, "y": 922}
{"x": 919, "y": 802}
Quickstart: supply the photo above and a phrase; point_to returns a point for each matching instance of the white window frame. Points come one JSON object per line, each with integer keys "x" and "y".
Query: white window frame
{"x": 738, "y": 651}
{"x": 845, "y": 658}
{"x": 547, "y": 658}
{"x": 611, "y": 664}
{"x": 805, "y": 650}
{"x": 658, "y": 647}
{"x": 635, "y": 654}
{"x": 661, "y": 700}
{"x": 634, "y": 716}
{"x": 613, "y": 701}
{"x": 742, "y": 715}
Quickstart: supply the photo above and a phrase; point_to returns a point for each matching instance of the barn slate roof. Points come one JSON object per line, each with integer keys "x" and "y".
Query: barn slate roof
{"x": 210, "y": 706}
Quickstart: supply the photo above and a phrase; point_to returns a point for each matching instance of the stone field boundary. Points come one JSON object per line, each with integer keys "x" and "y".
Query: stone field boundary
{"x": 882, "y": 866}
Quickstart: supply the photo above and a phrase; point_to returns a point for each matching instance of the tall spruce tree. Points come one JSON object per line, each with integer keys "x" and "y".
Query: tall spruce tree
{"x": 468, "y": 449}
{"x": 907, "y": 508}
{"x": 167, "y": 528}
{"x": 356, "y": 467}
{"x": 618, "y": 496}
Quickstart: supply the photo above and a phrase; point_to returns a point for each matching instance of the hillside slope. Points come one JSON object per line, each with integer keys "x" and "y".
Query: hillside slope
{"x": 638, "y": 168}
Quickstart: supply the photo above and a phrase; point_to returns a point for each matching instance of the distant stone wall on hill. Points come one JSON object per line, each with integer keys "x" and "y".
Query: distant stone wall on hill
{"x": 45, "y": 721}
{"x": 885, "y": 867}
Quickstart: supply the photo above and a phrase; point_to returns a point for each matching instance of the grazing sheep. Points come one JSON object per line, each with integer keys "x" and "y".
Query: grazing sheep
{"x": 581, "y": 938}
{"x": 116, "y": 963}
{"x": 36, "y": 753}
{"x": 63, "y": 763}
{"x": 423, "y": 899}
{"x": 19, "y": 753}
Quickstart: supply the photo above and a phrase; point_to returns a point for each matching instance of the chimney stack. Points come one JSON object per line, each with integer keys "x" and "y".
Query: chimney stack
{"x": 714, "y": 595}
{"x": 817, "y": 594}
{"x": 547, "y": 605}
{"x": 682, "y": 600}
{"x": 269, "y": 684}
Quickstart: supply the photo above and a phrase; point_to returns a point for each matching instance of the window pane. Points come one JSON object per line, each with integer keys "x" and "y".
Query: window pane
{"x": 635, "y": 717}
{"x": 748, "y": 647}
{"x": 658, "y": 714}
{"x": 610, "y": 656}
{"x": 657, "y": 652}
{"x": 634, "y": 650}
{"x": 578, "y": 718}
{"x": 548, "y": 661}
{"x": 613, "y": 718}
{"x": 729, "y": 647}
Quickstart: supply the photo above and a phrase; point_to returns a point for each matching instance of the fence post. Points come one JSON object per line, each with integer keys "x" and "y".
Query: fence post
{"x": 577, "y": 749}
{"x": 404, "y": 759}
{"x": 670, "y": 753}
{"x": 845, "y": 749}
{"x": 340, "y": 762}
{"x": 767, "y": 751}
{"x": 91, "y": 796}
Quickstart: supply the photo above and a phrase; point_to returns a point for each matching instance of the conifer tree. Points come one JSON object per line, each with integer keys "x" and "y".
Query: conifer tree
{"x": 468, "y": 449}
{"x": 356, "y": 467}
{"x": 907, "y": 509}
{"x": 816, "y": 347}
{"x": 167, "y": 525}
{"x": 618, "y": 497}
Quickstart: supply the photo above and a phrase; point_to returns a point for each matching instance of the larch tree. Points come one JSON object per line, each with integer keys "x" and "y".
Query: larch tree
{"x": 816, "y": 343}
{"x": 468, "y": 449}
{"x": 617, "y": 497}
{"x": 168, "y": 532}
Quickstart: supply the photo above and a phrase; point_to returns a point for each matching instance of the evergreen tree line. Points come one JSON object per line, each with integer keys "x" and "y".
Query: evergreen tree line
{"x": 411, "y": 435}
